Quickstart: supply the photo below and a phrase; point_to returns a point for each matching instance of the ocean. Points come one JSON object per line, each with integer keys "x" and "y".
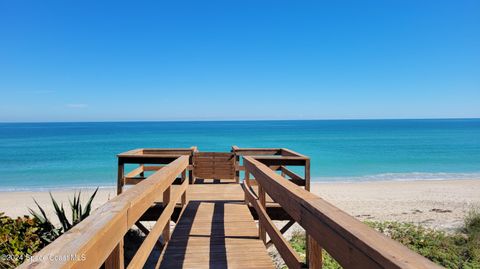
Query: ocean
{"x": 62, "y": 155}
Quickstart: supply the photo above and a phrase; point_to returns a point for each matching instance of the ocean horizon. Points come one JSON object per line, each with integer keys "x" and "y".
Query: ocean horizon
{"x": 38, "y": 156}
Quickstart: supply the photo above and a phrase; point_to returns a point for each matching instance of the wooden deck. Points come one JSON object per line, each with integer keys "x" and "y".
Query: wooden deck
{"x": 214, "y": 217}
{"x": 215, "y": 230}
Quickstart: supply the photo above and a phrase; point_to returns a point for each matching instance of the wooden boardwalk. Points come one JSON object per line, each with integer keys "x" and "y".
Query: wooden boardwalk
{"x": 215, "y": 230}
{"x": 215, "y": 226}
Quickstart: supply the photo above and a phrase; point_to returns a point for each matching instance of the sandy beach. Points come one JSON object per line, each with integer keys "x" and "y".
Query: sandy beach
{"x": 437, "y": 204}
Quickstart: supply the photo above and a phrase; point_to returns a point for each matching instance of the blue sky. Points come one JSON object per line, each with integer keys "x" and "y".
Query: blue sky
{"x": 216, "y": 60}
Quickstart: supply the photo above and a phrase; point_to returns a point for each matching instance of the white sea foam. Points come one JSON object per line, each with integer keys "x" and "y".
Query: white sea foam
{"x": 413, "y": 176}
{"x": 56, "y": 188}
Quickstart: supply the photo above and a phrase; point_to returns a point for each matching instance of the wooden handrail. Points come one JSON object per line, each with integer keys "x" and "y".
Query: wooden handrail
{"x": 145, "y": 249}
{"x": 349, "y": 241}
{"x": 295, "y": 178}
{"x": 291, "y": 258}
{"x": 89, "y": 243}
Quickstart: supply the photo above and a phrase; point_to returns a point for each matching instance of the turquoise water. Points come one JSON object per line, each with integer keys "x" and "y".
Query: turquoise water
{"x": 46, "y": 155}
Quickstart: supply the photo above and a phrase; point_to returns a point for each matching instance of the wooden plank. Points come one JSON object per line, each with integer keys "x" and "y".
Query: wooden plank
{"x": 148, "y": 191}
{"x": 291, "y": 174}
{"x": 279, "y": 160}
{"x": 315, "y": 254}
{"x": 166, "y": 226}
{"x": 214, "y": 166}
{"x": 257, "y": 151}
{"x": 120, "y": 175}
{"x": 135, "y": 172}
{"x": 152, "y": 168}
{"x": 282, "y": 230}
{"x": 288, "y": 254}
{"x": 213, "y": 154}
{"x": 215, "y": 234}
{"x": 161, "y": 224}
{"x": 132, "y": 180}
{"x": 115, "y": 259}
{"x": 289, "y": 152}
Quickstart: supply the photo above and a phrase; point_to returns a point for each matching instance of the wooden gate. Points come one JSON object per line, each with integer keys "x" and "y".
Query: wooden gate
{"x": 214, "y": 165}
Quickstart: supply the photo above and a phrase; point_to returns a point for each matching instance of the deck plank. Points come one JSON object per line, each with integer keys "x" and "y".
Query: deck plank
{"x": 216, "y": 230}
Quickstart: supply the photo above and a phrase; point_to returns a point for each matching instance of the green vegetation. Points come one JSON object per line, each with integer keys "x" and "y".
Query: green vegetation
{"x": 22, "y": 237}
{"x": 77, "y": 215}
{"x": 19, "y": 238}
{"x": 457, "y": 250}
{"x": 298, "y": 243}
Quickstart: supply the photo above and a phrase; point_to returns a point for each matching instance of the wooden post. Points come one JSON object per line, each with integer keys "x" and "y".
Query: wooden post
{"x": 191, "y": 176}
{"x": 237, "y": 168}
{"x": 142, "y": 174}
{"x": 247, "y": 182}
{"x": 166, "y": 201}
{"x": 236, "y": 163}
{"x": 115, "y": 260}
{"x": 307, "y": 175}
{"x": 184, "y": 195}
{"x": 315, "y": 253}
{"x": 120, "y": 176}
{"x": 261, "y": 228}
{"x": 313, "y": 249}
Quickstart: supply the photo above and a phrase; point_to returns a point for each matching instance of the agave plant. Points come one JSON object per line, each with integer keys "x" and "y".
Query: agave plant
{"x": 79, "y": 213}
{"x": 48, "y": 231}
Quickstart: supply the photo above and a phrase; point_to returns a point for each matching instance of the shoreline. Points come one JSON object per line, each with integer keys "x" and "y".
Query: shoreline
{"x": 439, "y": 204}
{"x": 323, "y": 180}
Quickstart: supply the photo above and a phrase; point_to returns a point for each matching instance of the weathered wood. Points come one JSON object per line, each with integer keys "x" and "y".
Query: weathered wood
{"x": 152, "y": 168}
{"x": 282, "y": 230}
{"x": 280, "y": 160}
{"x": 289, "y": 152}
{"x": 97, "y": 235}
{"x": 307, "y": 175}
{"x": 350, "y": 242}
{"x": 215, "y": 234}
{"x": 284, "y": 248}
{"x": 135, "y": 172}
{"x": 167, "y": 203}
{"x": 261, "y": 224}
{"x": 257, "y": 151}
{"x": 133, "y": 180}
{"x": 160, "y": 226}
{"x": 184, "y": 181}
{"x": 214, "y": 165}
{"x": 215, "y": 228}
{"x": 315, "y": 254}
{"x": 290, "y": 173}
{"x": 120, "y": 175}
{"x": 115, "y": 259}
{"x": 146, "y": 231}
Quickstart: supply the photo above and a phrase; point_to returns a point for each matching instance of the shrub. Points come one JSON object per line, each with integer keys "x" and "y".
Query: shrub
{"x": 449, "y": 250}
{"x": 19, "y": 238}
{"x": 456, "y": 250}
{"x": 472, "y": 229}
{"x": 298, "y": 243}
{"x": 22, "y": 237}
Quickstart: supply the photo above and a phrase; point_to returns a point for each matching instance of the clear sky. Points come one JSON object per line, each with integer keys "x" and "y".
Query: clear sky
{"x": 215, "y": 60}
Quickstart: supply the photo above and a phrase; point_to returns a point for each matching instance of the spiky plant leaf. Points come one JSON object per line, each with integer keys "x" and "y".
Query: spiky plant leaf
{"x": 60, "y": 211}
{"x": 88, "y": 206}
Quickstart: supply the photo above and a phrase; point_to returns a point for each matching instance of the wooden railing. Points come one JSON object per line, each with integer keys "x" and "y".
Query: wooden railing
{"x": 98, "y": 239}
{"x": 275, "y": 159}
{"x": 350, "y": 242}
